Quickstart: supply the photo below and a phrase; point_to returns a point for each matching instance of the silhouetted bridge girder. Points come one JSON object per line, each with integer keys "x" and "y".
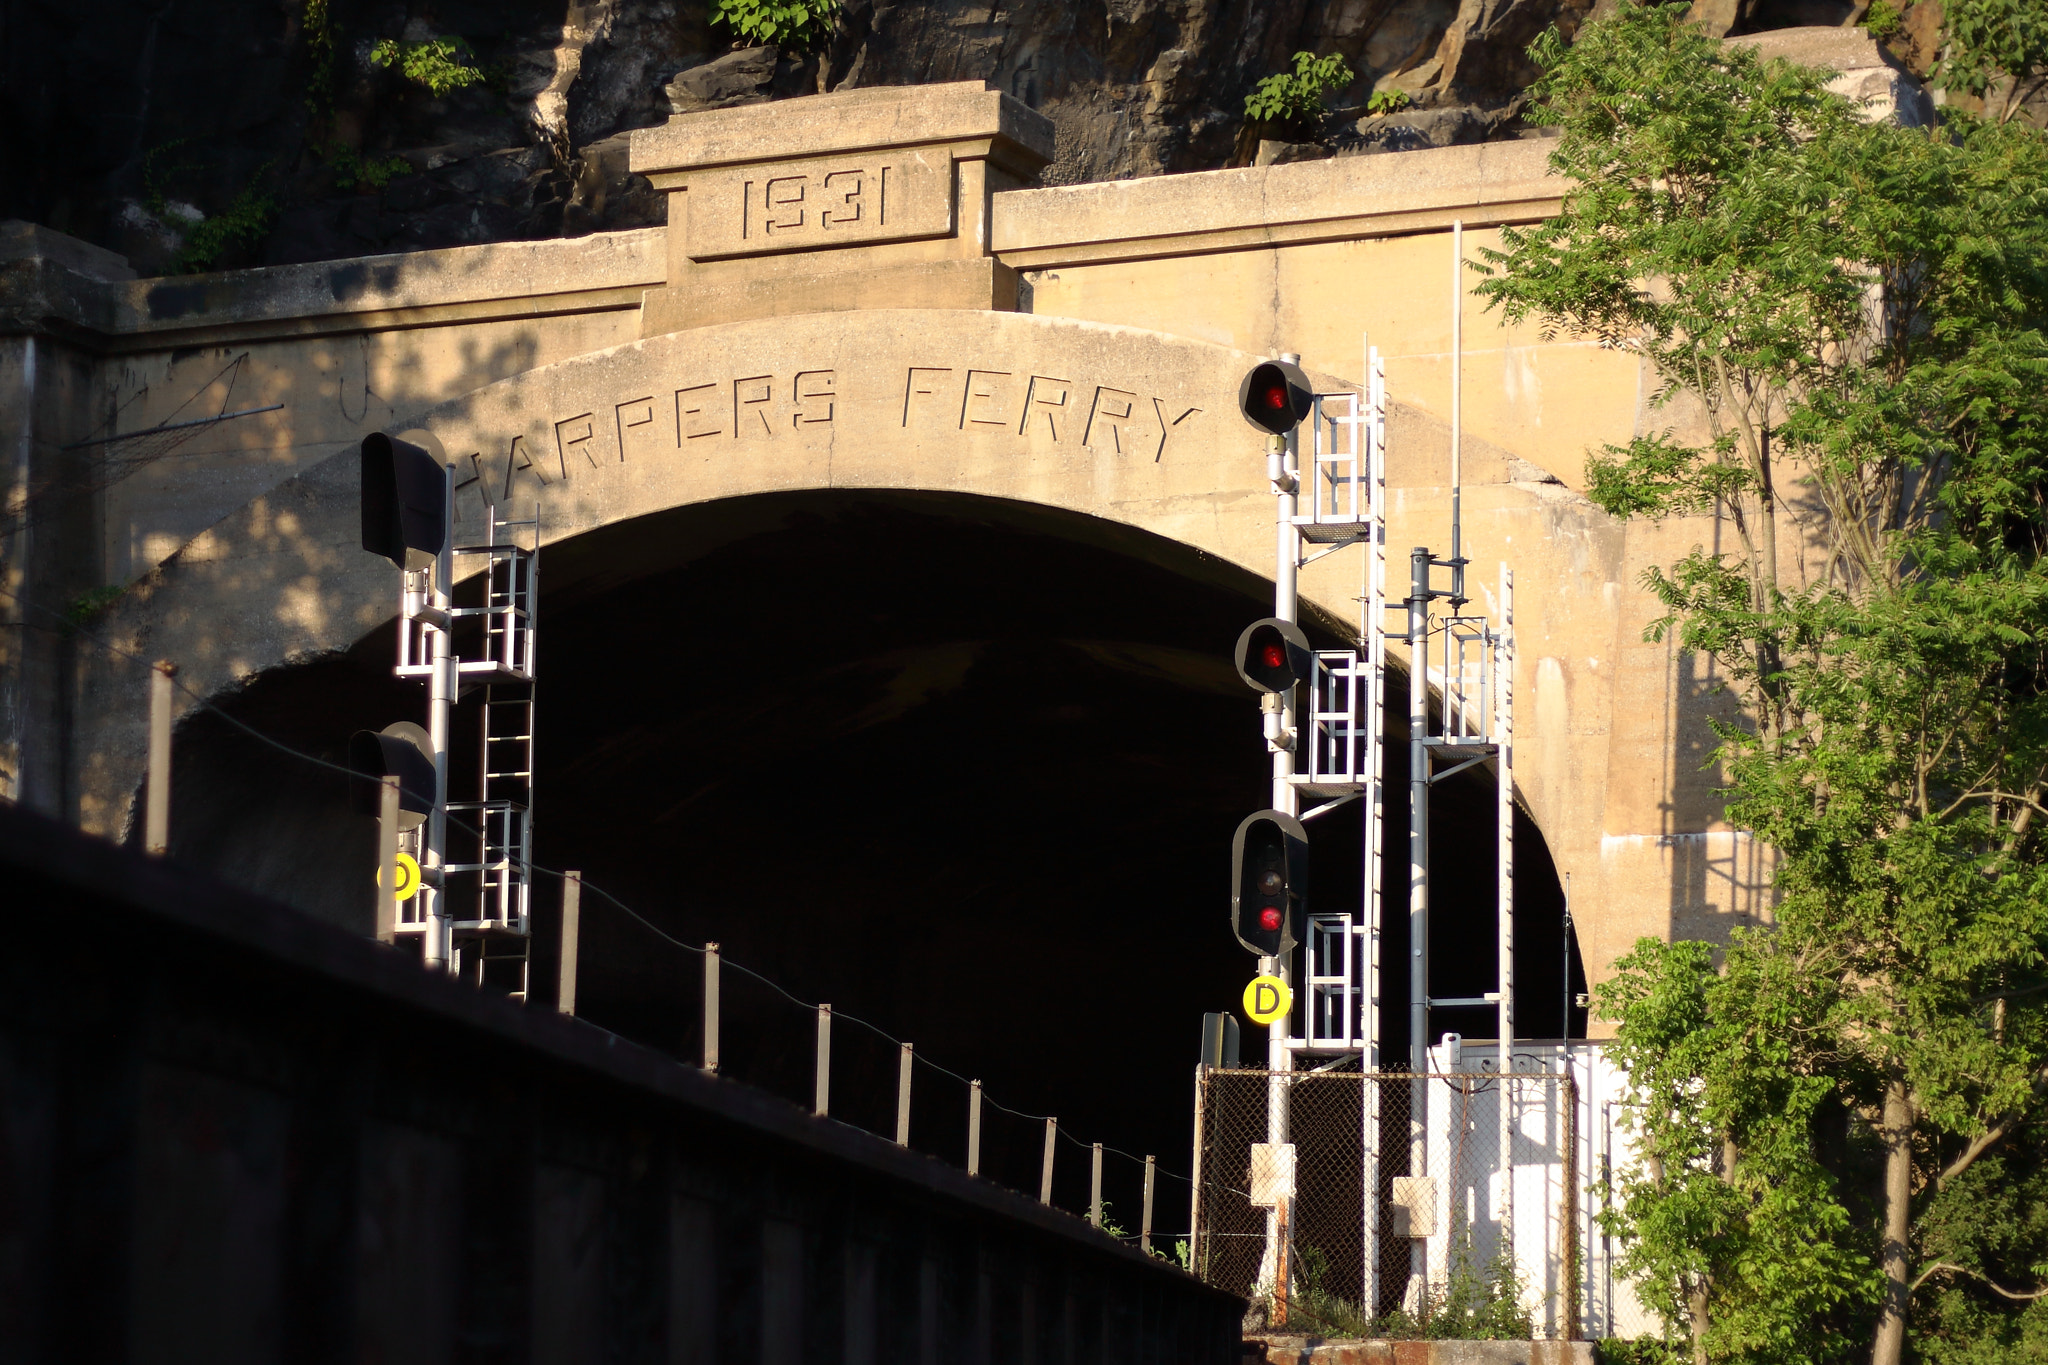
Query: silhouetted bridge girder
{"x": 230, "y": 1133}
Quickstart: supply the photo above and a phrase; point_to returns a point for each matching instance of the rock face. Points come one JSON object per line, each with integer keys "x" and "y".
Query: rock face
{"x": 134, "y": 125}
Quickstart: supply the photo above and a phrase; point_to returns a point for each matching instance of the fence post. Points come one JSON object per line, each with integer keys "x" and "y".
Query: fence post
{"x": 1282, "y": 1270}
{"x": 903, "y": 1099}
{"x": 821, "y": 1092}
{"x": 711, "y": 1007}
{"x": 1568, "y": 1233}
{"x": 974, "y": 1128}
{"x": 1145, "y": 1218}
{"x": 572, "y": 935}
{"x": 387, "y": 860}
{"x": 1195, "y": 1177}
{"x": 156, "y": 810}
{"x": 1052, "y": 1132}
{"x": 1095, "y": 1186}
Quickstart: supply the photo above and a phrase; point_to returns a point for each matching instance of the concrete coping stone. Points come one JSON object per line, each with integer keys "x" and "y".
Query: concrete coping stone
{"x": 451, "y": 277}
{"x": 848, "y": 121}
{"x": 22, "y": 241}
{"x": 1443, "y": 179}
{"x": 1836, "y": 49}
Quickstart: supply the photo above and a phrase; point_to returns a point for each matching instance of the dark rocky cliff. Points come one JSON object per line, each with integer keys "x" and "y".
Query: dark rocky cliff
{"x": 185, "y": 133}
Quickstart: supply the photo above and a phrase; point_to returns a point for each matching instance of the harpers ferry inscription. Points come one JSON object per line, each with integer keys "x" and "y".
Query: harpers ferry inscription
{"x": 803, "y": 205}
{"x": 737, "y": 414}
{"x": 1059, "y": 410}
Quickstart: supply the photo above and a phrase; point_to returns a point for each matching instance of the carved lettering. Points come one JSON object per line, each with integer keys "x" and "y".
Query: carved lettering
{"x": 750, "y": 400}
{"x": 782, "y": 197}
{"x": 982, "y": 402}
{"x": 477, "y": 477}
{"x": 1165, "y": 426}
{"x": 821, "y": 202}
{"x": 635, "y": 421}
{"x": 1110, "y": 417}
{"x": 920, "y": 389}
{"x": 844, "y": 188}
{"x": 576, "y": 433}
{"x": 815, "y": 392}
{"x": 517, "y": 462}
{"x": 698, "y": 413}
{"x": 1045, "y": 398}
{"x": 1039, "y": 408}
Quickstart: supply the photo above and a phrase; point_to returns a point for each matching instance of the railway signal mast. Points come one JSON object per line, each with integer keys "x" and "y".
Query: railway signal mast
{"x": 471, "y": 914}
{"x": 1329, "y": 749}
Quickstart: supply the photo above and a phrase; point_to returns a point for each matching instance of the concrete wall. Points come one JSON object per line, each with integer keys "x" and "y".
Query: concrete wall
{"x": 851, "y": 243}
{"x": 229, "y": 1134}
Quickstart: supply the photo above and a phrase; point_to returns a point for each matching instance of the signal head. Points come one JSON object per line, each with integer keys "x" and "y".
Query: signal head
{"x": 1273, "y": 655}
{"x": 1275, "y": 396}
{"x": 402, "y": 751}
{"x": 1268, "y": 882}
{"x": 405, "y": 499}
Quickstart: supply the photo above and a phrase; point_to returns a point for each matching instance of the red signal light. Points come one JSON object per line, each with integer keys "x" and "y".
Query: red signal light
{"x": 1269, "y": 919}
{"x": 1274, "y": 656}
{"x": 1275, "y": 396}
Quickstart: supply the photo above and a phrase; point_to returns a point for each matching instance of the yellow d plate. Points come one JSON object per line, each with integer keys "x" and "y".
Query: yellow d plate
{"x": 408, "y": 877}
{"x": 1267, "y": 999}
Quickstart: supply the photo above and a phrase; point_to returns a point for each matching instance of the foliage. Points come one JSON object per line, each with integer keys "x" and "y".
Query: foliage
{"x": 442, "y": 65}
{"x": 1994, "y": 1217}
{"x": 1883, "y": 20}
{"x": 1849, "y": 323}
{"x": 156, "y": 176}
{"x": 1730, "y": 1226}
{"x": 1473, "y": 1303}
{"x": 1184, "y": 1255}
{"x": 1386, "y": 102}
{"x": 1991, "y": 42}
{"x": 351, "y": 168}
{"x": 1298, "y": 94}
{"x": 317, "y": 22}
{"x": 243, "y": 222}
{"x": 1641, "y": 1351}
{"x": 92, "y": 604}
{"x": 792, "y": 25}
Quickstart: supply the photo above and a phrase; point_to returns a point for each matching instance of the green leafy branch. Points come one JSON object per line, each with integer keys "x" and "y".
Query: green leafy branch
{"x": 244, "y": 222}
{"x": 792, "y": 25}
{"x": 442, "y": 65}
{"x": 1289, "y": 96}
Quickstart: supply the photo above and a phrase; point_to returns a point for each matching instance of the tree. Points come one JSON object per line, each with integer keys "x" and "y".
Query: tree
{"x": 1854, "y": 315}
{"x": 1996, "y": 50}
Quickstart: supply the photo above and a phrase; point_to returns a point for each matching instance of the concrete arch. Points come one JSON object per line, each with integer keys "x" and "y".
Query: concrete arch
{"x": 1112, "y": 425}
{"x": 1116, "y": 423}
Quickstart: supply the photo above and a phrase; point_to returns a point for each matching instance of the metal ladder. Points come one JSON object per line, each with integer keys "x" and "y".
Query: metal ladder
{"x": 491, "y": 892}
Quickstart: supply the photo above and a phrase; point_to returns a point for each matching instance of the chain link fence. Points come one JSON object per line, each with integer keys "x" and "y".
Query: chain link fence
{"x": 1356, "y": 1203}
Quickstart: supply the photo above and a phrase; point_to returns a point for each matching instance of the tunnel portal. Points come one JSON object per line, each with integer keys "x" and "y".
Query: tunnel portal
{"x": 966, "y": 768}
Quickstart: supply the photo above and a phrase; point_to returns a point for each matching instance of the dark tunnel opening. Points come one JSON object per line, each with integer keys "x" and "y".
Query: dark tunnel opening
{"x": 968, "y": 770}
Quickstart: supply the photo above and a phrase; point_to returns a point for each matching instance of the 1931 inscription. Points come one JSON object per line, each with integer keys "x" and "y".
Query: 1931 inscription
{"x": 802, "y": 205}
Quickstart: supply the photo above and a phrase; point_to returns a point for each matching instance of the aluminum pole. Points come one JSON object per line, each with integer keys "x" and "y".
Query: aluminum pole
{"x": 1418, "y": 895}
{"x": 1373, "y": 641}
{"x": 1286, "y": 606}
{"x": 1504, "y": 858}
{"x": 441, "y": 695}
{"x": 387, "y": 860}
{"x": 1457, "y": 410}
